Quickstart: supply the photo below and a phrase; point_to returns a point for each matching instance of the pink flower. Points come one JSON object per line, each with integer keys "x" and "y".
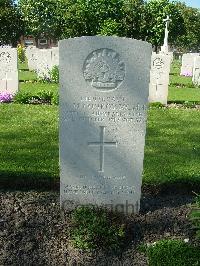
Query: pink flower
{"x": 5, "y": 97}
{"x": 186, "y": 73}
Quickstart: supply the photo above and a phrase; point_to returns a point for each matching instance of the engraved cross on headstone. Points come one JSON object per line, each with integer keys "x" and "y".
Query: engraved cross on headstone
{"x": 6, "y": 79}
{"x": 102, "y": 144}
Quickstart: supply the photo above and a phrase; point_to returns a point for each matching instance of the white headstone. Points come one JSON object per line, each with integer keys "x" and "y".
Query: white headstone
{"x": 55, "y": 56}
{"x": 44, "y": 63}
{"x": 103, "y": 109}
{"x": 31, "y": 54}
{"x": 188, "y": 64}
{"x": 159, "y": 78}
{"x": 8, "y": 70}
{"x": 196, "y": 71}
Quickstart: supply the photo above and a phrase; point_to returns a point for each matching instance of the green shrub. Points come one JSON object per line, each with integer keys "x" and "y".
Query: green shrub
{"x": 54, "y": 74}
{"x": 172, "y": 253}
{"x": 29, "y": 98}
{"x": 189, "y": 104}
{"x": 195, "y": 216}
{"x": 46, "y": 96}
{"x": 21, "y": 53}
{"x": 22, "y": 97}
{"x": 93, "y": 228}
{"x": 156, "y": 105}
{"x": 51, "y": 77}
{"x": 55, "y": 99}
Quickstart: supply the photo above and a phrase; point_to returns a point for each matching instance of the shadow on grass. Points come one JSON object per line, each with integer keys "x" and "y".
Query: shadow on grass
{"x": 28, "y": 181}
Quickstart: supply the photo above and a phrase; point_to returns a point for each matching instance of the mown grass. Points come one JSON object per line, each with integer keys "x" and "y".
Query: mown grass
{"x": 172, "y": 253}
{"x": 29, "y": 145}
{"x": 27, "y": 76}
{"x": 172, "y": 151}
{"x": 183, "y": 94}
{"x": 37, "y": 87}
{"x": 181, "y": 88}
{"x": 29, "y": 139}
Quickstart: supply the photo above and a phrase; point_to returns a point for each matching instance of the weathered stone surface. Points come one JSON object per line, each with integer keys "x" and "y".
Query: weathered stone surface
{"x": 104, "y": 85}
{"x": 8, "y": 70}
{"x": 196, "y": 71}
{"x": 46, "y": 60}
{"x": 55, "y": 56}
{"x": 31, "y": 54}
{"x": 159, "y": 78}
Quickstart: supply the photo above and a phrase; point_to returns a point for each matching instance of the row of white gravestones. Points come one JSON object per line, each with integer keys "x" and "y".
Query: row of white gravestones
{"x": 104, "y": 84}
{"x": 159, "y": 78}
{"x": 196, "y": 71}
{"x": 42, "y": 60}
{"x": 8, "y": 70}
{"x": 188, "y": 64}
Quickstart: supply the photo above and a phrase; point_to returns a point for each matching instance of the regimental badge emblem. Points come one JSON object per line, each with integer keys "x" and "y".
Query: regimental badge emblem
{"x": 104, "y": 69}
{"x": 158, "y": 63}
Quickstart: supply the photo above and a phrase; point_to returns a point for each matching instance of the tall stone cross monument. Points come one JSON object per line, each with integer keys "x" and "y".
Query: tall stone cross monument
{"x": 164, "y": 48}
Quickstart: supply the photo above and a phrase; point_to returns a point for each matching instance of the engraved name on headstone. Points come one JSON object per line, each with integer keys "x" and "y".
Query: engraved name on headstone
{"x": 8, "y": 70}
{"x": 103, "y": 108}
{"x": 159, "y": 78}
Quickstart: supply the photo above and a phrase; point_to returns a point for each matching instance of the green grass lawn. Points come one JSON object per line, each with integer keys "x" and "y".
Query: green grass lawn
{"x": 181, "y": 88}
{"x": 185, "y": 94}
{"x": 29, "y": 145}
{"x": 38, "y": 87}
{"x": 27, "y": 75}
{"x": 29, "y": 137}
{"x": 172, "y": 151}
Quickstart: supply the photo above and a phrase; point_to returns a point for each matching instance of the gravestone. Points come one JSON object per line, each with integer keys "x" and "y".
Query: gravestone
{"x": 196, "y": 71}
{"x": 159, "y": 78}
{"x": 46, "y": 60}
{"x": 188, "y": 64}
{"x": 44, "y": 63}
{"x": 31, "y": 54}
{"x": 103, "y": 109}
{"x": 8, "y": 70}
{"x": 55, "y": 56}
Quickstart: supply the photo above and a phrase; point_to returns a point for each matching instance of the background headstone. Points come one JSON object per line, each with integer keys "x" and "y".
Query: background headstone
{"x": 8, "y": 70}
{"x": 159, "y": 78}
{"x": 103, "y": 105}
{"x": 31, "y": 54}
{"x": 188, "y": 64}
{"x": 55, "y": 56}
{"x": 196, "y": 71}
{"x": 46, "y": 59}
{"x": 44, "y": 63}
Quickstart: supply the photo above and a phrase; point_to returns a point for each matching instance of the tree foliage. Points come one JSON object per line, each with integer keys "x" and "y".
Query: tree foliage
{"x": 11, "y": 23}
{"x": 157, "y": 11}
{"x": 134, "y": 22}
{"x": 89, "y": 17}
{"x": 190, "y": 40}
{"x": 41, "y": 17}
{"x": 139, "y": 19}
